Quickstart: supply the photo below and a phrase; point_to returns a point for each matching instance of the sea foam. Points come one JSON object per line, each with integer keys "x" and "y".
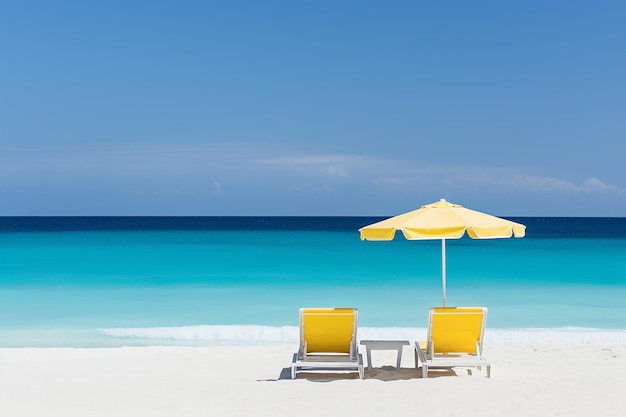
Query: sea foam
{"x": 256, "y": 334}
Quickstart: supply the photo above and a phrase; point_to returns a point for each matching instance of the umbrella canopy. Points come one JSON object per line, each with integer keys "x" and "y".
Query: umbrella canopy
{"x": 443, "y": 220}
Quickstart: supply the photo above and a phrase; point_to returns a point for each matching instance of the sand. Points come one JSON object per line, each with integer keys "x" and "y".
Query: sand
{"x": 534, "y": 380}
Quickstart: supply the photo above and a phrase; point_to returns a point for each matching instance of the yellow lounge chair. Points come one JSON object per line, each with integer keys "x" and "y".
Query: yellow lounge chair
{"x": 327, "y": 341}
{"x": 454, "y": 338}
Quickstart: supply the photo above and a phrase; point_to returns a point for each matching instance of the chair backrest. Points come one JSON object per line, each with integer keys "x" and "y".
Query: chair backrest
{"x": 456, "y": 329}
{"x": 331, "y": 330}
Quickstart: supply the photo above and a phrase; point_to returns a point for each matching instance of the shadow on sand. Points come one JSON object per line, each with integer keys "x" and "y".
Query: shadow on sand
{"x": 385, "y": 373}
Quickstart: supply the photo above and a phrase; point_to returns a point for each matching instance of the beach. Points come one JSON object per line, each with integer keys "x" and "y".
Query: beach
{"x": 538, "y": 380}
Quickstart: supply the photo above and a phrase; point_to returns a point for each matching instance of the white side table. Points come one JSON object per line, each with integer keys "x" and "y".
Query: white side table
{"x": 384, "y": 345}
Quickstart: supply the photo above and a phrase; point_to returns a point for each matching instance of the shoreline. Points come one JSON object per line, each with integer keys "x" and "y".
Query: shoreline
{"x": 527, "y": 379}
{"x": 260, "y": 335}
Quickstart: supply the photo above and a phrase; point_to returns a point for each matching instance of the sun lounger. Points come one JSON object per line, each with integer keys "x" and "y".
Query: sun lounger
{"x": 454, "y": 339}
{"x": 327, "y": 341}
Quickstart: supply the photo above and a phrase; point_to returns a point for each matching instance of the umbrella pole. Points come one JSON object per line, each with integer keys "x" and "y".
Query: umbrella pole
{"x": 443, "y": 270}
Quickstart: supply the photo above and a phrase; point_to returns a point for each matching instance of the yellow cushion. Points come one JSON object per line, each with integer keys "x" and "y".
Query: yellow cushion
{"x": 456, "y": 329}
{"x": 328, "y": 329}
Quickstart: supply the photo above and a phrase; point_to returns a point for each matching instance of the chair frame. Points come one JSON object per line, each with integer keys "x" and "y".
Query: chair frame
{"x": 304, "y": 361}
{"x": 427, "y": 355}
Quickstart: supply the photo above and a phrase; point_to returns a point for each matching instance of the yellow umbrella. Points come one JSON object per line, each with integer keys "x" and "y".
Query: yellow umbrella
{"x": 443, "y": 220}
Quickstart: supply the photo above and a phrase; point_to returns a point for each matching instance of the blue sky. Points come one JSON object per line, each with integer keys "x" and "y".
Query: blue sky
{"x": 312, "y": 107}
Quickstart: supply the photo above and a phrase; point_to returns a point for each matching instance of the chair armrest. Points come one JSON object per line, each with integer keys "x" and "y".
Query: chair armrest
{"x": 420, "y": 352}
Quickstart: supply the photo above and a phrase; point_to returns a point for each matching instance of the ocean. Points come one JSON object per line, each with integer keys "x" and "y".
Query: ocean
{"x": 119, "y": 281}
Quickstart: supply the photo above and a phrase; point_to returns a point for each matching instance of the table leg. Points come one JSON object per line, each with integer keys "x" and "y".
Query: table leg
{"x": 399, "y": 358}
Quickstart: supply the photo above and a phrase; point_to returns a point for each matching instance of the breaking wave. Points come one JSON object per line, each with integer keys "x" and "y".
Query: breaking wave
{"x": 256, "y": 334}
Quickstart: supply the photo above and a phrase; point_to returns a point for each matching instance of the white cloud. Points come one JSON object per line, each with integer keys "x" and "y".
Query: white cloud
{"x": 409, "y": 175}
{"x": 308, "y": 160}
{"x": 549, "y": 184}
{"x": 595, "y": 184}
{"x": 242, "y": 165}
{"x": 536, "y": 183}
{"x": 331, "y": 165}
{"x": 333, "y": 171}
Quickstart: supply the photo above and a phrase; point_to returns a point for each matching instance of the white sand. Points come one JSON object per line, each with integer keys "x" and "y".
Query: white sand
{"x": 537, "y": 380}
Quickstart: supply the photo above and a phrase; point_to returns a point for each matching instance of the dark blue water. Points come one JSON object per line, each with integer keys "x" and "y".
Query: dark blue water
{"x": 537, "y": 227}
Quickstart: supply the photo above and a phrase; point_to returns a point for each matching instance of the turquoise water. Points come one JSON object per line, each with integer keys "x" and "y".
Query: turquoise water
{"x": 107, "y": 287}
